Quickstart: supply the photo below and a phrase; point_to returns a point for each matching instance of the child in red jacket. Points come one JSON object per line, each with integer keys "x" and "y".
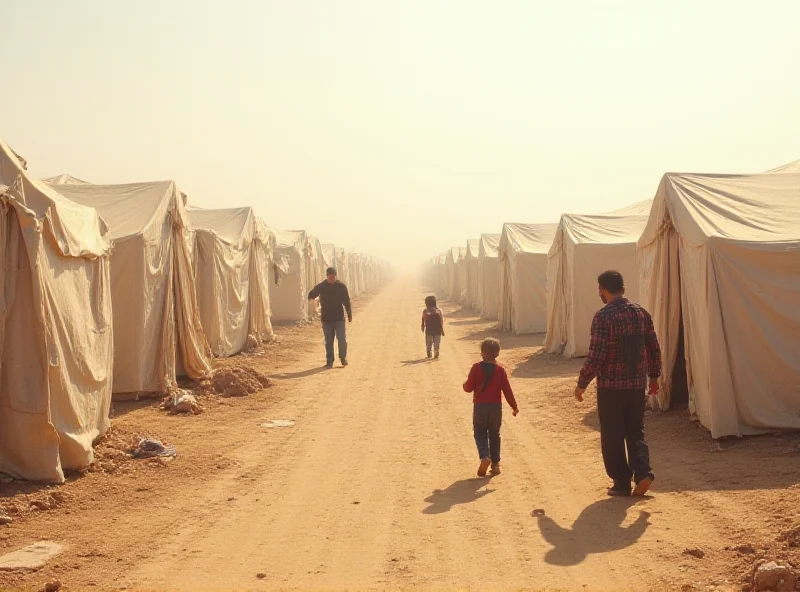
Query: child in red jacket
{"x": 487, "y": 380}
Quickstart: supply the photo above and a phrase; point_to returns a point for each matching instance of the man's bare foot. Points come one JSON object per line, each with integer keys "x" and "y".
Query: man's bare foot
{"x": 496, "y": 468}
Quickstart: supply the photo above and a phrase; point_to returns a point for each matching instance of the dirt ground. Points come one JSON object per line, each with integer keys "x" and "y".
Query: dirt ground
{"x": 374, "y": 486}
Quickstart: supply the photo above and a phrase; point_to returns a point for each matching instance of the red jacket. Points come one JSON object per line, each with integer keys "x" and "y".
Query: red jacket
{"x": 498, "y": 383}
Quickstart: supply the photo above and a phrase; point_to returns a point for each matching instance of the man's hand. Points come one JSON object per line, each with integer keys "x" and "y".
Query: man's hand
{"x": 350, "y": 319}
{"x": 579, "y": 394}
{"x": 654, "y": 387}
{"x": 514, "y": 412}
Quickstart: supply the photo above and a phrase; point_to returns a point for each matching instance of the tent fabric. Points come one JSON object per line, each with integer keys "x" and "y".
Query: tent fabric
{"x": 720, "y": 254}
{"x": 489, "y": 276}
{"x": 233, "y": 252}
{"x": 792, "y": 167}
{"x": 64, "y": 180}
{"x": 585, "y": 246}
{"x": 56, "y": 330}
{"x": 523, "y": 252}
{"x": 316, "y": 271}
{"x": 289, "y": 294}
{"x": 453, "y": 282}
{"x": 471, "y": 281}
{"x": 158, "y": 332}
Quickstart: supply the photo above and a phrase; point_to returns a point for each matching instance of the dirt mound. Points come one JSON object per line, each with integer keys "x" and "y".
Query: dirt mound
{"x": 234, "y": 381}
{"x": 791, "y": 537}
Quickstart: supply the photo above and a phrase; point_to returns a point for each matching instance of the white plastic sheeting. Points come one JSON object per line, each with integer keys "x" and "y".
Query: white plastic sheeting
{"x": 792, "y": 167}
{"x": 56, "y": 330}
{"x": 158, "y": 333}
{"x": 453, "y": 271}
{"x": 289, "y": 294}
{"x": 233, "y": 267}
{"x": 722, "y": 254}
{"x": 523, "y": 252}
{"x": 64, "y": 180}
{"x": 471, "y": 282}
{"x": 584, "y": 247}
{"x": 489, "y": 276}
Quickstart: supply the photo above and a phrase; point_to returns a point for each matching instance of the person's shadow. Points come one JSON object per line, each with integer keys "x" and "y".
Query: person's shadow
{"x": 303, "y": 374}
{"x": 598, "y": 529}
{"x": 460, "y": 492}
{"x": 413, "y": 362}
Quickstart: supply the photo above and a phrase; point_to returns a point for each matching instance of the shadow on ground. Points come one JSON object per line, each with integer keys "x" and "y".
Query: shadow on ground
{"x": 597, "y": 530}
{"x": 460, "y": 492}
{"x": 302, "y": 374}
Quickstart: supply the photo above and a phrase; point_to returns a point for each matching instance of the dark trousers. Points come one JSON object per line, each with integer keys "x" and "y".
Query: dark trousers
{"x": 486, "y": 421}
{"x": 622, "y": 427}
{"x": 338, "y": 330}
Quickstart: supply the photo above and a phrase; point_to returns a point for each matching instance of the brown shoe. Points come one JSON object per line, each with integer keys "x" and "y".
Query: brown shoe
{"x": 484, "y": 466}
{"x": 642, "y": 486}
{"x": 495, "y": 468}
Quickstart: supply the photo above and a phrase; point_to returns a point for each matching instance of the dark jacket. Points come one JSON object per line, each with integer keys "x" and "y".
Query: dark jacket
{"x": 334, "y": 299}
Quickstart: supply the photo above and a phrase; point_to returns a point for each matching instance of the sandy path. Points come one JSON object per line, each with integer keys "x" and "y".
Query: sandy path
{"x": 374, "y": 486}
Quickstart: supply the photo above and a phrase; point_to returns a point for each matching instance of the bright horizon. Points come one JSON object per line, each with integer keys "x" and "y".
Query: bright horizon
{"x": 400, "y": 130}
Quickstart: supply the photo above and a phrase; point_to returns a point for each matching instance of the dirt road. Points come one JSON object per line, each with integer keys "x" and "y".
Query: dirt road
{"x": 374, "y": 487}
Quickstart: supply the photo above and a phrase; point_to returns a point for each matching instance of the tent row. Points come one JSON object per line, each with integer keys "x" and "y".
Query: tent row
{"x": 119, "y": 290}
{"x": 715, "y": 258}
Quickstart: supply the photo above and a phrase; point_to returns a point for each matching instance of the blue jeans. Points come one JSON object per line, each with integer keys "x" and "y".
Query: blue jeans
{"x": 334, "y": 329}
{"x": 486, "y": 421}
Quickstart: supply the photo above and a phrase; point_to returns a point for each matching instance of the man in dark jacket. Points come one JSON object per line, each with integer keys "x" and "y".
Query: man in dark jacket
{"x": 625, "y": 358}
{"x": 335, "y": 301}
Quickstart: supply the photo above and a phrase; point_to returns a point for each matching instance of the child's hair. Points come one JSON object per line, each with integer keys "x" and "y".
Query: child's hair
{"x": 430, "y": 301}
{"x": 491, "y": 347}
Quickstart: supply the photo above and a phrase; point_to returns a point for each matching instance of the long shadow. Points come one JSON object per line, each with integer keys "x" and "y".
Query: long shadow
{"x": 413, "y": 362}
{"x": 467, "y": 322}
{"x": 460, "y": 492}
{"x": 125, "y": 406}
{"x": 302, "y": 374}
{"x": 545, "y": 366}
{"x": 598, "y": 529}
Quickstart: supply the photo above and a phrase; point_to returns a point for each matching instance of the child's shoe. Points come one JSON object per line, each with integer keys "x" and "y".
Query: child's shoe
{"x": 495, "y": 468}
{"x": 484, "y": 466}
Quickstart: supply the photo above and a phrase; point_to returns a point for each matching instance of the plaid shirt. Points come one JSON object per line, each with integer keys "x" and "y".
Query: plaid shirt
{"x": 624, "y": 349}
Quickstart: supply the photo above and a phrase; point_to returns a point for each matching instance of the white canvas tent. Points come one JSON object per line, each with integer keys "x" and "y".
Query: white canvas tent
{"x": 523, "y": 252}
{"x": 64, "y": 180}
{"x": 233, "y": 267}
{"x": 792, "y": 167}
{"x": 489, "y": 276}
{"x": 471, "y": 271}
{"x": 158, "y": 333}
{"x": 289, "y": 294}
{"x": 720, "y": 266}
{"x": 584, "y": 247}
{"x": 453, "y": 272}
{"x": 56, "y": 331}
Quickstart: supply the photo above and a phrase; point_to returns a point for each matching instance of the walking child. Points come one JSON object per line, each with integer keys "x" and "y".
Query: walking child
{"x": 432, "y": 326}
{"x": 487, "y": 380}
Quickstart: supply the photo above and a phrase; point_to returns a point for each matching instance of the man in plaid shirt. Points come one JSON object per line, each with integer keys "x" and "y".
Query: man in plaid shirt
{"x": 625, "y": 358}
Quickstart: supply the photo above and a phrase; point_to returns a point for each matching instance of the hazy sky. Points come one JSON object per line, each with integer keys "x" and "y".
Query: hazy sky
{"x": 401, "y": 128}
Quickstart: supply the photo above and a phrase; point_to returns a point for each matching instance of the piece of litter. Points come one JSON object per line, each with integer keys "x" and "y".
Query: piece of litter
{"x": 538, "y": 512}
{"x": 150, "y": 448}
{"x": 30, "y": 558}
{"x": 278, "y": 423}
{"x": 261, "y": 576}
